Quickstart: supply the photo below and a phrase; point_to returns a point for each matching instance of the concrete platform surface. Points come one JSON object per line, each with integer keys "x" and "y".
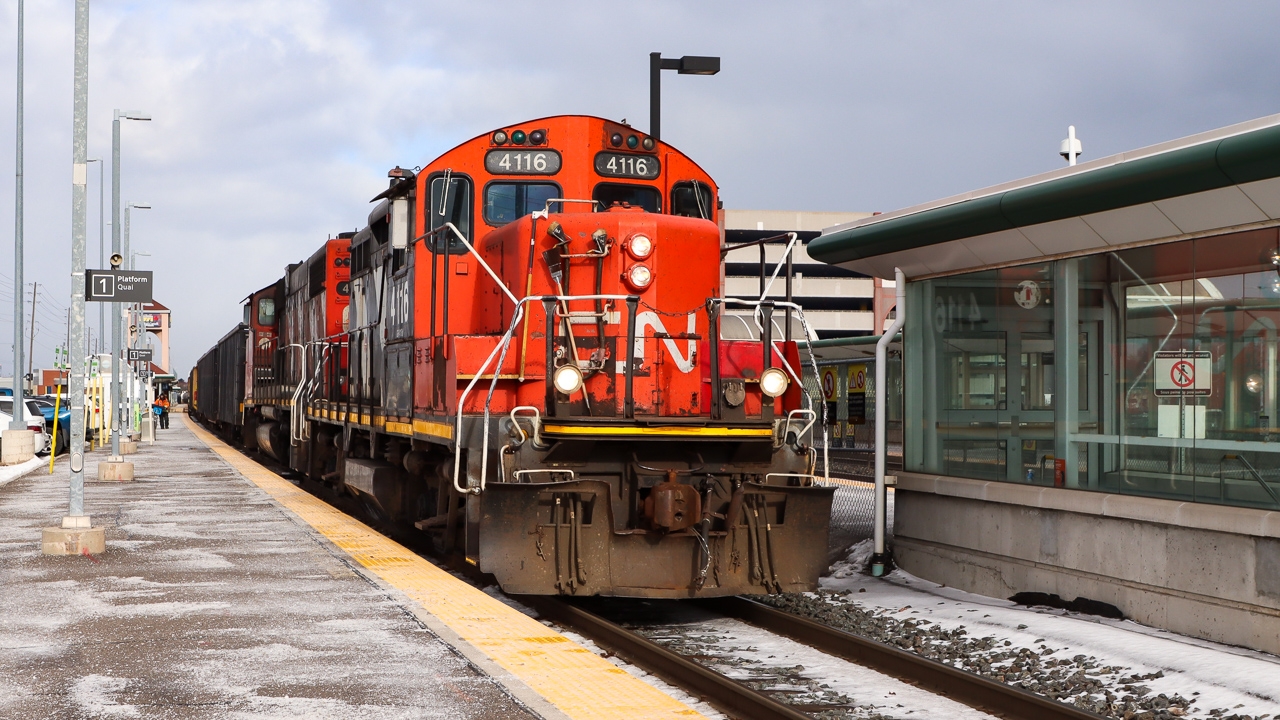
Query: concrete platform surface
{"x": 209, "y": 602}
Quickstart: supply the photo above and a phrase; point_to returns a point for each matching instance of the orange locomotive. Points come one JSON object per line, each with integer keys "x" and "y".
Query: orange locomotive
{"x": 530, "y": 368}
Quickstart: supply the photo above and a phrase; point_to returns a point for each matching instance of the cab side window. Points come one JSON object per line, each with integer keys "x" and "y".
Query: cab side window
{"x": 266, "y": 311}
{"x": 692, "y": 199}
{"x": 450, "y": 203}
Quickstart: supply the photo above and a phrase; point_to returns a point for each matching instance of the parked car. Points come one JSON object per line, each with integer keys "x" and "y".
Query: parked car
{"x": 47, "y": 405}
{"x": 34, "y": 419}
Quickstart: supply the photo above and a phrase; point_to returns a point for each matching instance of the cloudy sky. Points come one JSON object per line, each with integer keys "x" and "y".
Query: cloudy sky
{"x": 275, "y": 121}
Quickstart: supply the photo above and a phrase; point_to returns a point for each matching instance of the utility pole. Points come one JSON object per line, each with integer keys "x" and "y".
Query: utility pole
{"x": 32, "y": 350}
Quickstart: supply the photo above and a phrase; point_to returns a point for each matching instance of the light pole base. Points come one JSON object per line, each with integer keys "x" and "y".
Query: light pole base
{"x": 128, "y": 447}
{"x": 17, "y": 446}
{"x": 115, "y": 471}
{"x": 76, "y": 536}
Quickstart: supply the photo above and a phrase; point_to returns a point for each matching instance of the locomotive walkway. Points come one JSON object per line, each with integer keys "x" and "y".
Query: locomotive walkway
{"x": 227, "y": 592}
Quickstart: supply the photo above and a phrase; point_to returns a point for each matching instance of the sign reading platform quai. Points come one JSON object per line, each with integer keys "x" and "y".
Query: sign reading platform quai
{"x": 117, "y": 285}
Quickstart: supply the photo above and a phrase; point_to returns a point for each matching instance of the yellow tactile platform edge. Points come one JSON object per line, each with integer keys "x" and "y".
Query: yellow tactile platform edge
{"x": 573, "y": 679}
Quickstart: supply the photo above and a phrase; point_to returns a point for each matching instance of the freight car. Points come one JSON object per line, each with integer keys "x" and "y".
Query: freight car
{"x": 520, "y": 355}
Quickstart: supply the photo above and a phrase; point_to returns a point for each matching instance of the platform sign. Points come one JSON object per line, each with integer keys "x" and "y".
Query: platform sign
{"x": 127, "y": 286}
{"x": 857, "y": 396}
{"x": 1184, "y": 373}
{"x": 140, "y": 355}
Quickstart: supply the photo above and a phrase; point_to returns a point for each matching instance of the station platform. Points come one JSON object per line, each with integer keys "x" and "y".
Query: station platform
{"x": 225, "y": 591}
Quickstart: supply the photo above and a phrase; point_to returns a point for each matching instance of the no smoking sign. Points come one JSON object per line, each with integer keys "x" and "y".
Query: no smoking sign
{"x": 1184, "y": 372}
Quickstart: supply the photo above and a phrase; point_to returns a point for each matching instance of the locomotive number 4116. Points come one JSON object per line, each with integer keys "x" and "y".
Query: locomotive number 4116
{"x": 631, "y": 166}
{"x": 522, "y": 162}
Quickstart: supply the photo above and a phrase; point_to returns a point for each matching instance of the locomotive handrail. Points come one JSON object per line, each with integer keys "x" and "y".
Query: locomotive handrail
{"x": 813, "y": 417}
{"x": 813, "y": 362}
{"x": 502, "y": 346}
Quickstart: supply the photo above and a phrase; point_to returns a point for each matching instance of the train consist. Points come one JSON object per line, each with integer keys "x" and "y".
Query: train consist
{"x": 520, "y": 355}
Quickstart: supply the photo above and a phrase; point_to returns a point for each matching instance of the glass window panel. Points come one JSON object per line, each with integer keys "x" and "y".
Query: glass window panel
{"x": 641, "y": 196}
{"x": 508, "y": 201}
{"x": 692, "y": 199}
{"x": 450, "y": 203}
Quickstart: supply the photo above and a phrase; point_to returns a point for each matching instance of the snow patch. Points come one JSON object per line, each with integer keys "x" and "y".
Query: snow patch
{"x": 93, "y": 693}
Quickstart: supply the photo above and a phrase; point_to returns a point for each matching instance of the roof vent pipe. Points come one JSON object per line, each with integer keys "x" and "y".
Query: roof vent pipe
{"x": 880, "y": 562}
{"x": 1070, "y": 149}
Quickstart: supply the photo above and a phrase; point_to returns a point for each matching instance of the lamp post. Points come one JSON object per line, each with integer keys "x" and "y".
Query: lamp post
{"x": 687, "y": 65}
{"x": 19, "y": 421}
{"x": 116, "y": 344}
{"x": 131, "y": 393}
{"x": 136, "y": 329}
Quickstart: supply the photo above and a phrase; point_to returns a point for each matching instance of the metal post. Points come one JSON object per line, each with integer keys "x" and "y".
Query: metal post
{"x": 1066, "y": 342}
{"x": 629, "y": 398}
{"x": 128, "y": 329}
{"x": 115, "y": 307}
{"x": 879, "y": 561}
{"x": 655, "y": 95}
{"x": 102, "y": 257}
{"x": 79, "y": 179}
{"x": 19, "y": 421}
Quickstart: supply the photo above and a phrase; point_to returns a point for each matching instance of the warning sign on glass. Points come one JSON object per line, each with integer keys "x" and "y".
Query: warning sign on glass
{"x": 1184, "y": 372}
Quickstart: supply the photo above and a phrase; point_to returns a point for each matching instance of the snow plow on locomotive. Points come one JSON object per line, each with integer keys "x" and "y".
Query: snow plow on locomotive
{"x": 523, "y": 358}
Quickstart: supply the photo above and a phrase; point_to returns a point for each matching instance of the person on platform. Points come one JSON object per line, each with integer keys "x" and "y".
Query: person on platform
{"x": 163, "y": 404}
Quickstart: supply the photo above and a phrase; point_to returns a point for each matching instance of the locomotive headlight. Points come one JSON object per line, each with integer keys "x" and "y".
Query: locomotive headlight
{"x": 639, "y": 277}
{"x": 639, "y": 246}
{"x": 567, "y": 379}
{"x": 773, "y": 382}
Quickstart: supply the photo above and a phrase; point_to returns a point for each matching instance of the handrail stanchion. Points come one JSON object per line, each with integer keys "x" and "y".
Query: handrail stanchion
{"x": 549, "y": 308}
{"x": 713, "y": 344}
{"x": 629, "y": 400}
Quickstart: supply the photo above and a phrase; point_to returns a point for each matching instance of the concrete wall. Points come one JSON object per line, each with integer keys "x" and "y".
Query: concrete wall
{"x": 1208, "y": 571}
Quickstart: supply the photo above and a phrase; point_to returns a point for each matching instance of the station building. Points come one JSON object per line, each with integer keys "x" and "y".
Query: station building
{"x": 1091, "y": 382}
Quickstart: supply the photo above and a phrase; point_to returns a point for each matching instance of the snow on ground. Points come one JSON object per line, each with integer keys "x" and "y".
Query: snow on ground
{"x": 1234, "y": 680}
{"x": 9, "y": 473}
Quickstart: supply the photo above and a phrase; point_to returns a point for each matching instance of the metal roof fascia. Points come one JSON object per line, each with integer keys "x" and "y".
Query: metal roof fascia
{"x": 1118, "y": 181}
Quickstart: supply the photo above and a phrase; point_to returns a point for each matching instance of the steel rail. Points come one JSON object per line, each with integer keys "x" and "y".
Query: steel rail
{"x": 730, "y": 696}
{"x": 971, "y": 689}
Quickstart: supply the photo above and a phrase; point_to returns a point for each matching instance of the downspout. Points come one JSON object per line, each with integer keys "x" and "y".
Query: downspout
{"x": 880, "y": 560}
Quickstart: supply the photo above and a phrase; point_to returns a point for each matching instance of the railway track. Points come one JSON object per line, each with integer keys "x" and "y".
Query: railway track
{"x": 740, "y": 701}
{"x": 735, "y": 698}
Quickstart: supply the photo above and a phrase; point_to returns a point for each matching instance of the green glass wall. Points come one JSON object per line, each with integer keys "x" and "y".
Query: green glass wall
{"x": 1163, "y": 383}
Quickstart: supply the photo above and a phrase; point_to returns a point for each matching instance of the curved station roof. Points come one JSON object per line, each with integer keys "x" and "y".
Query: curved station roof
{"x": 1225, "y": 179}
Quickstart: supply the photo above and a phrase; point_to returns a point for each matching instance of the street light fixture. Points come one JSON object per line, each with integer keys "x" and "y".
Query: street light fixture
{"x": 687, "y": 65}
{"x": 117, "y": 408}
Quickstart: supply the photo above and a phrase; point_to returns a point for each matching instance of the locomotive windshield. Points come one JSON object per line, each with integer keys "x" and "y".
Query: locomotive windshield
{"x": 641, "y": 196}
{"x": 508, "y": 201}
{"x": 691, "y": 199}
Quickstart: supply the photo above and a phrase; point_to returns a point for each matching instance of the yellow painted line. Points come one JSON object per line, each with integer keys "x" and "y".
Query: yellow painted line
{"x": 399, "y": 428}
{"x": 663, "y": 431}
{"x": 438, "y": 429}
{"x": 574, "y": 679}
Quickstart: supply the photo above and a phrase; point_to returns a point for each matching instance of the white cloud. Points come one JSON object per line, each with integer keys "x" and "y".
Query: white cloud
{"x": 276, "y": 120}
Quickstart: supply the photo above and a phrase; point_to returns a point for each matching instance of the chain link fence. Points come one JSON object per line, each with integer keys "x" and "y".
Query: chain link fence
{"x": 851, "y": 449}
